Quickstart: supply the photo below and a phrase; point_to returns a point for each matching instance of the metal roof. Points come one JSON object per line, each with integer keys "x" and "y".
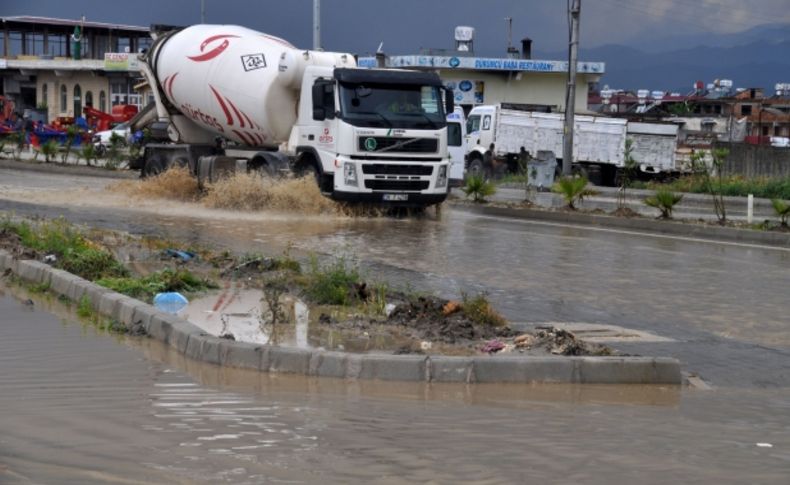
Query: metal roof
{"x": 72, "y": 23}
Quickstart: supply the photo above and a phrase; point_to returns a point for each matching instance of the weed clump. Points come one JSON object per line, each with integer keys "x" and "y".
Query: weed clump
{"x": 332, "y": 283}
{"x": 479, "y": 310}
{"x": 84, "y": 308}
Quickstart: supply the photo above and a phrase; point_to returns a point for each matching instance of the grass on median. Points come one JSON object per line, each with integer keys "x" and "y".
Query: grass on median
{"x": 762, "y": 187}
{"x": 167, "y": 280}
{"x": 73, "y": 252}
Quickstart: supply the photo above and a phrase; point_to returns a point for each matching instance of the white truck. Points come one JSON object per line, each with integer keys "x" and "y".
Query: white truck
{"x": 598, "y": 145}
{"x": 225, "y": 93}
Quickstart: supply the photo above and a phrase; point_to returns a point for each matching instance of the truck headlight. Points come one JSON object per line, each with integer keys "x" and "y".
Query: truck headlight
{"x": 441, "y": 179}
{"x": 350, "y": 174}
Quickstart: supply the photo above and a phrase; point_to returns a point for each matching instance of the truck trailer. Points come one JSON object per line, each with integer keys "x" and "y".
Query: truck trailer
{"x": 598, "y": 146}
{"x": 229, "y": 97}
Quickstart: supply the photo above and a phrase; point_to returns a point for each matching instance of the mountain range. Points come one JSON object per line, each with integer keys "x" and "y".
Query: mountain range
{"x": 758, "y": 57}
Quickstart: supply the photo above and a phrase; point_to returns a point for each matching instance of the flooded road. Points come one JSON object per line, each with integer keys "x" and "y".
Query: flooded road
{"x": 724, "y": 305}
{"x": 80, "y": 406}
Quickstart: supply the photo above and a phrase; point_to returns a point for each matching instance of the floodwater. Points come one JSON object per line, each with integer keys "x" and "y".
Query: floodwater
{"x": 723, "y": 305}
{"x": 80, "y": 406}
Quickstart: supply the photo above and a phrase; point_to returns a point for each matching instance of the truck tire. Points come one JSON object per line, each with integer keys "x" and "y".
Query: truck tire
{"x": 259, "y": 165}
{"x": 153, "y": 166}
{"x": 476, "y": 168}
{"x": 306, "y": 167}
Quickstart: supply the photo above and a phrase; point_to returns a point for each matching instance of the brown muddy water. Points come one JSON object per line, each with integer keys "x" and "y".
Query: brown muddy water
{"x": 81, "y": 406}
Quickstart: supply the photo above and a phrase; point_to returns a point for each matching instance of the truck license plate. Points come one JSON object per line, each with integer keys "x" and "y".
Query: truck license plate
{"x": 396, "y": 197}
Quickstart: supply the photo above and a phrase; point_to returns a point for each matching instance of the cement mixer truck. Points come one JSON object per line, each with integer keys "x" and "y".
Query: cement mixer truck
{"x": 229, "y": 98}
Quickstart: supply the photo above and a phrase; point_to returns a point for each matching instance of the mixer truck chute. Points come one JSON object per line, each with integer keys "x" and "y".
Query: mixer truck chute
{"x": 226, "y": 94}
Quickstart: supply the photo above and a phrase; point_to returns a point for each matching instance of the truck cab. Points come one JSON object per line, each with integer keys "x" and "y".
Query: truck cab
{"x": 479, "y": 136}
{"x": 456, "y": 145}
{"x": 374, "y": 135}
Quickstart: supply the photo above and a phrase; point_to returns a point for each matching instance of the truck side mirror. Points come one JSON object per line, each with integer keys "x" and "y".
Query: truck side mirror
{"x": 449, "y": 101}
{"x": 319, "y": 113}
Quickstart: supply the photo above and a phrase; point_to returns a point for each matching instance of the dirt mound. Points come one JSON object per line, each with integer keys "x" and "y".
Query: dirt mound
{"x": 11, "y": 242}
{"x": 426, "y": 319}
{"x": 625, "y": 212}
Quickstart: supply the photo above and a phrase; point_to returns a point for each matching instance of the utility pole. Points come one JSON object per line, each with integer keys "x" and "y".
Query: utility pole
{"x": 317, "y": 25}
{"x": 570, "y": 97}
{"x": 202, "y": 11}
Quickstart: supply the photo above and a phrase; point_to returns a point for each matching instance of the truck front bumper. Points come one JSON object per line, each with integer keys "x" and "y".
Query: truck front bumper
{"x": 391, "y": 182}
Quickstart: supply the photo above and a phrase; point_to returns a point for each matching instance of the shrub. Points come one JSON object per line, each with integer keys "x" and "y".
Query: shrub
{"x": 49, "y": 150}
{"x": 665, "y": 201}
{"x": 782, "y": 209}
{"x": 479, "y": 310}
{"x": 88, "y": 152}
{"x": 332, "y": 283}
{"x": 478, "y": 188}
{"x": 573, "y": 189}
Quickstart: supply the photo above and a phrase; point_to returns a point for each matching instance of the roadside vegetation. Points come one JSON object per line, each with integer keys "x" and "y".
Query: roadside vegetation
{"x": 573, "y": 189}
{"x": 65, "y": 247}
{"x": 665, "y": 201}
{"x": 478, "y": 188}
{"x": 782, "y": 208}
{"x": 736, "y": 186}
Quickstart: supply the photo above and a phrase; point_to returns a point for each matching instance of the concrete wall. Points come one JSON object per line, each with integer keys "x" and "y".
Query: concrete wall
{"x": 533, "y": 88}
{"x": 88, "y": 81}
{"x": 756, "y": 160}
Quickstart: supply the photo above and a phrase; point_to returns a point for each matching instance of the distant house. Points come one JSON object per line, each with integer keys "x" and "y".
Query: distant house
{"x": 40, "y": 66}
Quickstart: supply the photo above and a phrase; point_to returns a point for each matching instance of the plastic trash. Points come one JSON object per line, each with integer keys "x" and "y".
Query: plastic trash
{"x": 50, "y": 259}
{"x": 170, "y": 302}
{"x": 184, "y": 256}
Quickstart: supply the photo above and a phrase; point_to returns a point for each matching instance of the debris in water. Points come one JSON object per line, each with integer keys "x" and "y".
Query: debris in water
{"x": 524, "y": 341}
{"x": 182, "y": 256}
{"x": 171, "y": 302}
{"x": 451, "y": 307}
{"x": 493, "y": 346}
{"x": 765, "y": 445}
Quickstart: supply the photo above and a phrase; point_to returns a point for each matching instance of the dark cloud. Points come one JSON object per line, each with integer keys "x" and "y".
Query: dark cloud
{"x": 406, "y": 25}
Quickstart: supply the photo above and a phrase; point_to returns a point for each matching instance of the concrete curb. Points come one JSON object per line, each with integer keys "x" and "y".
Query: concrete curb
{"x": 191, "y": 341}
{"x": 712, "y": 233}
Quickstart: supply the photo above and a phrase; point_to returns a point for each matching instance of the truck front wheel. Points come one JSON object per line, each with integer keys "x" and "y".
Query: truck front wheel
{"x": 307, "y": 167}
{"x": 476, "y": 168}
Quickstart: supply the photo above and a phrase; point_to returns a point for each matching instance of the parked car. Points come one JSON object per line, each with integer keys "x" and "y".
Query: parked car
{"x": 101, "y": 139}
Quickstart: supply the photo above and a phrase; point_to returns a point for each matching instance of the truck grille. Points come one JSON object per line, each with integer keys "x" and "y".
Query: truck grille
{"x": 381, "y": 169}
{"x": 397, "y": 185}
{"x": 409, "y": 145}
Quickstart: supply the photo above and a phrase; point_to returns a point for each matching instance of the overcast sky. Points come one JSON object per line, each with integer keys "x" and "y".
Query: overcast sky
{"x": 404, "y": 26}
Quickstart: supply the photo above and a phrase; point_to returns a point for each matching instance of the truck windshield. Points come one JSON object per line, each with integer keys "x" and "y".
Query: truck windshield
{"x": 392, "y": 106}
